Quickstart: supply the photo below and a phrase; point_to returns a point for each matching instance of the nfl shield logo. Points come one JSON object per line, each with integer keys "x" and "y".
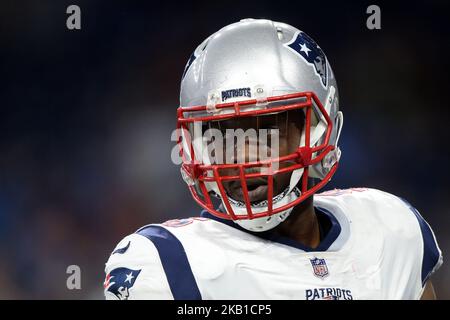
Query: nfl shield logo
{"x": 319, "y": 267}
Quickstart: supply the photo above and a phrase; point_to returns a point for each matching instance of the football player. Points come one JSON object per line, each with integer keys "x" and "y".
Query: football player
{"x": 265, "y": 231}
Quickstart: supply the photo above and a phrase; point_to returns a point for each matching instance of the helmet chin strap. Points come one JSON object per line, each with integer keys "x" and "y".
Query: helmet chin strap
{"x": 270, "y": 222}
{"x": 289, "y": 195}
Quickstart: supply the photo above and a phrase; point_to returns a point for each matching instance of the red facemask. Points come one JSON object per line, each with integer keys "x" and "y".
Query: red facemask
{"x": 196, "y": 173}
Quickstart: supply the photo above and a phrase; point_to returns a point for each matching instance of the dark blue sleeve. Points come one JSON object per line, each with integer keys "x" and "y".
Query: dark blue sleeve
{"x": 431, "y": 253}
{"x": 174, "y": 261}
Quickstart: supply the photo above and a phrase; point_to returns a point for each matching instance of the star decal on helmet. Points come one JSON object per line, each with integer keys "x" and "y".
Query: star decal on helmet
{"x": 304, "y": 46}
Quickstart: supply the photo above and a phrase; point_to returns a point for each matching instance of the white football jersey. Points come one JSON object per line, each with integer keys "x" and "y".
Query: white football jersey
{"x": 378, "y": 247}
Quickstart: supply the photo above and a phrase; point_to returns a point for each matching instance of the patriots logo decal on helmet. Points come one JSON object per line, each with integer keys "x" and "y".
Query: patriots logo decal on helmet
{"x": 119, "y": 281}
{"x": 312, "y": 54}
{"x": 188, "y": 64}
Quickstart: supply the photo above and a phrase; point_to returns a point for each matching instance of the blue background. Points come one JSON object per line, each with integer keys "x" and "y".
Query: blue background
{"x": 86, "y": 118}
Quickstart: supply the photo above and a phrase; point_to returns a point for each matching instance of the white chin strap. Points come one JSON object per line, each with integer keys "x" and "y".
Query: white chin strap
{"x": 265, "y": 223}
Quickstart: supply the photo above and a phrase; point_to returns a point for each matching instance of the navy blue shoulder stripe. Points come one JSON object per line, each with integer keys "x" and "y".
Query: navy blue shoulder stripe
{"x": 175, "y": 262}
{"x": 431, "y": 252}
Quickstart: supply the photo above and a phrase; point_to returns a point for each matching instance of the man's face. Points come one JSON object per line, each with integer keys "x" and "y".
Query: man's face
{"x": 286, "y": 127}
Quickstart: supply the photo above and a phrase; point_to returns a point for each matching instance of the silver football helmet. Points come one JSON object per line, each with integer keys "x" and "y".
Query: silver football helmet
{"x": 252, "y": 68}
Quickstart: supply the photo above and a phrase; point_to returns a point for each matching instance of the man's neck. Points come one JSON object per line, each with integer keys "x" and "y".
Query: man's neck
{"x": 302, "y": 225}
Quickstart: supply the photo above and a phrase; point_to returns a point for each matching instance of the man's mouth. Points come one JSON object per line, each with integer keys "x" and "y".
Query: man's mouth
{"x": 257, "y": 190}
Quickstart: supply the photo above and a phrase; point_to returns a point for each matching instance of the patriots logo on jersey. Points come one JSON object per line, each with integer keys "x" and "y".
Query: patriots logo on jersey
{"x": 122, "y": 250}
{"x": 312, "y": 54}
{"x": 119, "y": 281}
{"x": 319, "y": 267}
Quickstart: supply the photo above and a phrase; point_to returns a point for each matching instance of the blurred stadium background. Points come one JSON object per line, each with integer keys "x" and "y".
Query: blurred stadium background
{"x": 86, "y": 118}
